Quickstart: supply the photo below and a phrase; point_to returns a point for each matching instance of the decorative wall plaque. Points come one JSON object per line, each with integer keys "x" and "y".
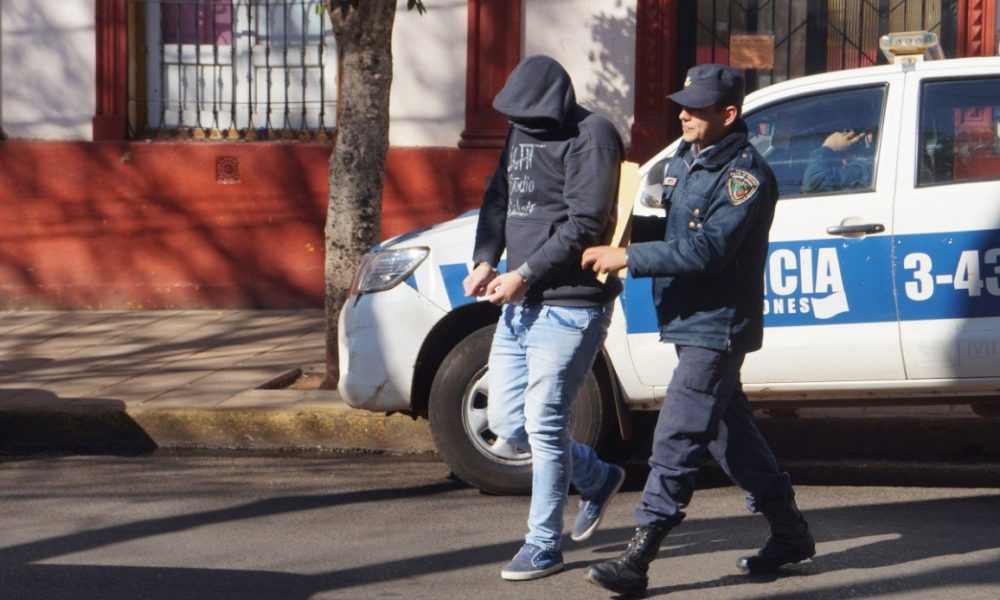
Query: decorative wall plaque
{"x": 751, "y": 51}
{"x": 227, "y": 169}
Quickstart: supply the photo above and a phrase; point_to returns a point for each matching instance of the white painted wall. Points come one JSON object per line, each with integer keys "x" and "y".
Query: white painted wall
{"x": 47, "y": 65}
{"x": 595, "y": 41}
{"x": 47, "y": 49}
{"x": 427, "y": 103}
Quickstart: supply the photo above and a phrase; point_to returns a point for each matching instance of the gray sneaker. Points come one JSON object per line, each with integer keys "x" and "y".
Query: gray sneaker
{"x": 592, "y": 509}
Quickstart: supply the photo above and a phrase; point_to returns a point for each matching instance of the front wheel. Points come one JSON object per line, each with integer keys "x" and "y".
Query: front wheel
{"x": 457, "y": 413}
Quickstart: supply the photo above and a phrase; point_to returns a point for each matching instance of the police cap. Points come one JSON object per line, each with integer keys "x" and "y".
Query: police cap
{"x": 710, "y": 84}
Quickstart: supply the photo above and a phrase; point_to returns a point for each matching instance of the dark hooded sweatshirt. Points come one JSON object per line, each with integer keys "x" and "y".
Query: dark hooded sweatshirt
{"x": 553, "y": 193}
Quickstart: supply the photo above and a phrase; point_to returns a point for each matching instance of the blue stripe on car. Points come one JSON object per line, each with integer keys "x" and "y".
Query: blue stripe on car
{"x": 843, "y": 281}
{"x": 453, "y": 275}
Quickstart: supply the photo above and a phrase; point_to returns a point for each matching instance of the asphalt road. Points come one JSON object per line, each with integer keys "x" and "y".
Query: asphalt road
{"x": 178, "y": 526}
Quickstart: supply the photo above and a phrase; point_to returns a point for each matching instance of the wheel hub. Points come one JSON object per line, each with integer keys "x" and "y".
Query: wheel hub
{"x": 476, "y": 426}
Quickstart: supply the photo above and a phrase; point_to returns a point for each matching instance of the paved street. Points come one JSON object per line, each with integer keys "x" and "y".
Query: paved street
{"x": 176, "y": 526}
{"x": 906, "y": 506}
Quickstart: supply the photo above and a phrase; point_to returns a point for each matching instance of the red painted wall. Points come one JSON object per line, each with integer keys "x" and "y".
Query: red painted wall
{"x": 111, "y": 225}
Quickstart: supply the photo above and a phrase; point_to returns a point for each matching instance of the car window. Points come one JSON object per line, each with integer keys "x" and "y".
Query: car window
{"x": 959, "y": 131}
{"x": 822, "y": 143}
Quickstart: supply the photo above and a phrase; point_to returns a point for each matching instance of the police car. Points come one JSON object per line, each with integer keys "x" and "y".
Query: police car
{"x": 883, "y": 287}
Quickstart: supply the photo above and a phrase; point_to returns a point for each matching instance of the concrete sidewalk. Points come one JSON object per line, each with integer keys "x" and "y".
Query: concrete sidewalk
{"x": 139, "y": 380}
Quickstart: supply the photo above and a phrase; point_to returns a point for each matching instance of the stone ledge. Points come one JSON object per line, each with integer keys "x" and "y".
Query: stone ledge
{"x": 126, "y": 429}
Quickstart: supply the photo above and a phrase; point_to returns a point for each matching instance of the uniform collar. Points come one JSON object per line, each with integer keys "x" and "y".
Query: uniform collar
{"x": 720, "y": 153}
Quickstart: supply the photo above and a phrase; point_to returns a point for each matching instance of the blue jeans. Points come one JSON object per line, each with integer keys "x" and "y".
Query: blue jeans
{"x": 538, "y": 362}
{"x": 706, "y": 412}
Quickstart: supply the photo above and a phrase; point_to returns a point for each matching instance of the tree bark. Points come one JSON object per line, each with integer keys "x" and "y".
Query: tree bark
{"x": 357, "y": 166}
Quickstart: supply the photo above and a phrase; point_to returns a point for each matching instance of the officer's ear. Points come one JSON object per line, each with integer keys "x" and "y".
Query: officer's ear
{"x": 732, "y": 113}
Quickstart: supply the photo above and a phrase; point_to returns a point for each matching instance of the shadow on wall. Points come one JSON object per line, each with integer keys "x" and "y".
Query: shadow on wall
{"x": 151, "y": 225}
{"x": 428, "y": 186}
{"x": 63, "y": 63}
{"x": 165, "y": 224}
{"x": 613, "y": 59}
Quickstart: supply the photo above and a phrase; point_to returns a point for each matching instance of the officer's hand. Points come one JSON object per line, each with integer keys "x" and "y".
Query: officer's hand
{"x": 508, "y": 288}
{"x": 838, "y": 141}
{"x": 475, "y": 282}
{"x": 604, "y": 259}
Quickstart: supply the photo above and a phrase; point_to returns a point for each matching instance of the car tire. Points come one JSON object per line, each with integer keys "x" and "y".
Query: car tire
{"x": 457, "y": 414}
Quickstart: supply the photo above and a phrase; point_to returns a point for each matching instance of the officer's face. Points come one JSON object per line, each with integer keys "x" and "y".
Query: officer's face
{"x": 705, "y": 126}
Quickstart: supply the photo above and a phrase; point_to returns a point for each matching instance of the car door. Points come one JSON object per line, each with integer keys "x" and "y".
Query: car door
{"x": 947, "y": 227}
{"x": 830, "y": 315}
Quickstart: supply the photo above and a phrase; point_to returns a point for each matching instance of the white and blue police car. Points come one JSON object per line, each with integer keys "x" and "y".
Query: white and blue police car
{"x": 885, "y": 288}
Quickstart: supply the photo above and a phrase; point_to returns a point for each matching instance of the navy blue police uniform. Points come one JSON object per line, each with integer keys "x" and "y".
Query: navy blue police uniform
{"x": 709, "y": 297}
{"x": 708, "y": 291}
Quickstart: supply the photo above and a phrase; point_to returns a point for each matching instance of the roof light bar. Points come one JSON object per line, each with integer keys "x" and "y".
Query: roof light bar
{"x": 910, "y": 47}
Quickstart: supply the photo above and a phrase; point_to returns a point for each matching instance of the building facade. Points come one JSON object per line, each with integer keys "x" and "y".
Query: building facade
{"x": 173, "y": 153}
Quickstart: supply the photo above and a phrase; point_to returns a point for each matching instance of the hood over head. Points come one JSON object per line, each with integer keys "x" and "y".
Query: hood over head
{"x": 538, "y": 94}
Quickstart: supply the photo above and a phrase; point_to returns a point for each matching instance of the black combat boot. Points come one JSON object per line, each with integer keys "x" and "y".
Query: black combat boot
{"x": 626, "y": 574}
{"x": 790, "y": 541}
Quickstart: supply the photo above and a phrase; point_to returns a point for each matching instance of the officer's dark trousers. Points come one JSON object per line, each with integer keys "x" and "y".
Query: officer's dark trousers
{"x": 706, "y": 412}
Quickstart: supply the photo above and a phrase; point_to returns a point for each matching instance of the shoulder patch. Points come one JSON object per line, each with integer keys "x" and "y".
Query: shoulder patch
{"x": 741, "y": 186}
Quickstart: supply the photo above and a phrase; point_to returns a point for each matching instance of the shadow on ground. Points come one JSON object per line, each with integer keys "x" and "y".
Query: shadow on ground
{"x": 70, "y": 425}
{"x": 865, "y": 537}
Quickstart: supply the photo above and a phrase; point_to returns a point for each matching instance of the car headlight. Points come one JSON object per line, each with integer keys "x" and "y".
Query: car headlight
{"x": 384, "y": 269}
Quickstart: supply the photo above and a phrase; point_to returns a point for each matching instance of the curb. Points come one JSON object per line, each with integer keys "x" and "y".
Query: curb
{"x": 330, "y": 425}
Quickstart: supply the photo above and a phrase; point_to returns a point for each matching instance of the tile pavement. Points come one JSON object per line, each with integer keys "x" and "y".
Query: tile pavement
{"x": 182, "y": 378}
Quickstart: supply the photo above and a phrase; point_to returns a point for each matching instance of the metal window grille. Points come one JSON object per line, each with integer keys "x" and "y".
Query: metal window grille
{"x": 811, "y": 36}
{"x": 232, "y": 69}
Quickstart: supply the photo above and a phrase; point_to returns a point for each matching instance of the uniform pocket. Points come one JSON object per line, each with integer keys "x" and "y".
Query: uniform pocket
{"x": 702, "y": 371}
{"x": 695, "y": 210}
{"x": 693, "y": 402}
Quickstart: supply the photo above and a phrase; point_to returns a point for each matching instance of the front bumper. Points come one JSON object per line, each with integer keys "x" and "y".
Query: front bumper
{"x": 379, "y": 337}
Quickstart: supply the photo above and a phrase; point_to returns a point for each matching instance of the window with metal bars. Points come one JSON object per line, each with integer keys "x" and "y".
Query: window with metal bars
{"x": 231, "y": 69}
{"x": 809, "y": 36}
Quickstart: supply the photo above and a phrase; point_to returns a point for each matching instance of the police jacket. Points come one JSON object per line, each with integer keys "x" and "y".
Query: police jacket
{"x": 709, "y": 268}
{"x": 828, "y": 171}
{"x": 553, "y": 192}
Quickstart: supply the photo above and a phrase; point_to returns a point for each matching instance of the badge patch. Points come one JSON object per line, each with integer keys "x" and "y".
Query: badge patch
{"x": 741, "y": 185}
{"x": 670, "y": 181}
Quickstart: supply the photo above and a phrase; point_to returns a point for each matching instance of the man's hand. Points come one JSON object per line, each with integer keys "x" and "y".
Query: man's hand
{"x": 508, "y": 288}
{"x": 604, "y": 259}
{"x": 475, "y": 282}
{"x": 838, "y": 141}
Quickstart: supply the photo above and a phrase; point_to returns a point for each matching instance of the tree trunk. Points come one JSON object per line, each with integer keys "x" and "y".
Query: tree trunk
{"x": 357, "y": 165}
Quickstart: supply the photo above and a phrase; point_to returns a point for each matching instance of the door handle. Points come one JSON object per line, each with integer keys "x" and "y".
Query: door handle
{"x": 855, "y": 230}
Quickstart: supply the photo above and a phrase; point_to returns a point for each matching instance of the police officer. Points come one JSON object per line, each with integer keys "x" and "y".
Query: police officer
{"x": 709, "y": 297}
{"x": 845, "y": 161}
